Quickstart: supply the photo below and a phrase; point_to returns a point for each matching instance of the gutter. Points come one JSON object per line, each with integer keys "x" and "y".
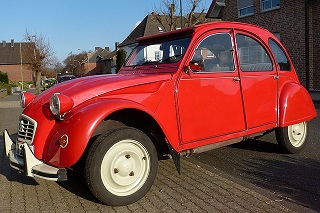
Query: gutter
{"x": 307, "y": 43}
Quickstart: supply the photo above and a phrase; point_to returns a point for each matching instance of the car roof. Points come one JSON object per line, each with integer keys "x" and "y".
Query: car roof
{"x": 206, "y": 26}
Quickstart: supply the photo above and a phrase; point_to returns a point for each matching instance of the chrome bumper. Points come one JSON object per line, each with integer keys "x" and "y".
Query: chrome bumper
{"x": 29, "y": 164}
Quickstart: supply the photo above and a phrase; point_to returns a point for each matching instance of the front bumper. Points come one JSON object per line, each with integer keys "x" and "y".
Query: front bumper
{"x": 29, "y": 164}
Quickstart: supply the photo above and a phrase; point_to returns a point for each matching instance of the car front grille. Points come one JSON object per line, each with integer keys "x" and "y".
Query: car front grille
{"x": 26, "y": 130}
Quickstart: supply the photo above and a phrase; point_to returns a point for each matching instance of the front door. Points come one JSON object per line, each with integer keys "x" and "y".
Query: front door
{"x": 209, "y": 96}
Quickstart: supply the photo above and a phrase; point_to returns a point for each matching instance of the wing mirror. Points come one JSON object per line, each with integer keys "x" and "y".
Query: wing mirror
{"x": 196, "y": 65}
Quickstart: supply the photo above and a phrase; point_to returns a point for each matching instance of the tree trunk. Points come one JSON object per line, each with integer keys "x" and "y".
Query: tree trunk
{"x": 38, "y": 82}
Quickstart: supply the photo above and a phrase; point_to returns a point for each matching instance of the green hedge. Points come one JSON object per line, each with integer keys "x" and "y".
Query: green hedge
{"x": 4, "y": 77}
{"x": 6, "y": 86}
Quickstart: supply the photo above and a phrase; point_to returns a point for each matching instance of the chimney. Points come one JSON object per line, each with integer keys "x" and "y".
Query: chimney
{"x": 12, "y": 42}
{"x": 107, "y": 49}
{"x": 116, "y": 45}
{"x": 97, "y": 48}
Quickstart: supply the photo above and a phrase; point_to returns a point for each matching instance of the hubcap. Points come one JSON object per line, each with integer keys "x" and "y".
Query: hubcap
{"x": 125, "y": 167}
{"x": 297, "y": 134}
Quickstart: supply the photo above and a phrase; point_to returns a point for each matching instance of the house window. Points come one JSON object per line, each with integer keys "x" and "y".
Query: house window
{"x": 267, "y": 5}
{"x": 157, "y": 55}
{"x": 245, "y": 8}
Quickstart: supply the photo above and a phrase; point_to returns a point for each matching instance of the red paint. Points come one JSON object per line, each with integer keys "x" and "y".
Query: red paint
{"x": 191, "y": 108}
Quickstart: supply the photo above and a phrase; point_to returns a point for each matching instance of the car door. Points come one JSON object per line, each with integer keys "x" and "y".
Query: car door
{"x": 209, "y": 96}
{"x": 258, "y": 79}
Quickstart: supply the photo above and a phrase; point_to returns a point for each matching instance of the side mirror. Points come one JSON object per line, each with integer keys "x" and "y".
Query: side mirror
{"x": 197, "y": 65}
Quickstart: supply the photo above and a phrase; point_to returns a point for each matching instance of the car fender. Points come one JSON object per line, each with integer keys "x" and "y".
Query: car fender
{"x": 79, "y": 127}
{"x": 295, "y": 105}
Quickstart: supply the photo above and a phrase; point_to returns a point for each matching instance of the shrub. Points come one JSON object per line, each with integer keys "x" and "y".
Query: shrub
{"x": 6, "y": 86}
{"x": 4, "y": 77}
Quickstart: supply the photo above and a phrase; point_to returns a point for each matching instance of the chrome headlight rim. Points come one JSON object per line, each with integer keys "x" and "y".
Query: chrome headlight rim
{"x": 55, "y": 104}
{"x": 22, "y": 99}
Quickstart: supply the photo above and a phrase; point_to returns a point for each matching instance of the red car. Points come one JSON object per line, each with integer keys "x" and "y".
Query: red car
{"x": 179, "y": 93}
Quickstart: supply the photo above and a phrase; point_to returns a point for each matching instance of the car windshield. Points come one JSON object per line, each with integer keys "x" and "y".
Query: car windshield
{"x": 162, "y": 52}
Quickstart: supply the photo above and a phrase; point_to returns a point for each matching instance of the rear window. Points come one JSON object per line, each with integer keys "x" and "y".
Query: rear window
{"x": 281, "y": 58}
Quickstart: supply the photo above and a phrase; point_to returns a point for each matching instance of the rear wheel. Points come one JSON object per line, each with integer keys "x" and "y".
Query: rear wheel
{"x": 121, "y": 166}
{"x": 292, "y": 139}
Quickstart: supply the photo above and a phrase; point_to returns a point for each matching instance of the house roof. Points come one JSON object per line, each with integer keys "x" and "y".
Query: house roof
{"x": 10, "y": 53}
{"x": 150, "y": 26}
{"x": 215, "y": 8}
{"x": 109, "y": 56}
{"x": 98, "y": 54}
{"x": 139, "y": 31}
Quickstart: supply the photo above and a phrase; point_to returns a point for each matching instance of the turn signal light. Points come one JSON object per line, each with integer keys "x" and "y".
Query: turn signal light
{"x": 63, "y": 142}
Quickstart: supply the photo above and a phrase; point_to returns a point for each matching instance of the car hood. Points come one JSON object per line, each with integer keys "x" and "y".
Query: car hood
{"x": 85, "y": 88}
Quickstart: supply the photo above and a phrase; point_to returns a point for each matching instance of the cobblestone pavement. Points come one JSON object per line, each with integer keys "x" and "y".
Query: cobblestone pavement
{"x": 195, "y": 190}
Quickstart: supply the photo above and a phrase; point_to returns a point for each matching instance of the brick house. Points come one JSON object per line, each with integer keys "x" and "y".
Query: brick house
{"x": 101, "y": 61}
{"x": 12, "y": 62}
{"x": 296, "y": 23}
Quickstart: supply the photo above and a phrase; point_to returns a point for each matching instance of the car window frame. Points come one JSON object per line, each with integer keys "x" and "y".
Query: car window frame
{"x": 232, "y": 50}
{"x": 262, "y": 44}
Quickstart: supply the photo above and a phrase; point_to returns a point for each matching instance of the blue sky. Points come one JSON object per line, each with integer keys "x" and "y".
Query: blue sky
{"x": 70, "y": 25}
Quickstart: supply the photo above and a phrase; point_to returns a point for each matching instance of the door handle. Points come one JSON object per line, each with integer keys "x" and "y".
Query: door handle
{"x": 275, "y": 77}
{"x": 235, "y": 79}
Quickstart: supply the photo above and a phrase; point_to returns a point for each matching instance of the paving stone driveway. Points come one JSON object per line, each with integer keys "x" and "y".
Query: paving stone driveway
{"x": 195, "y": 190}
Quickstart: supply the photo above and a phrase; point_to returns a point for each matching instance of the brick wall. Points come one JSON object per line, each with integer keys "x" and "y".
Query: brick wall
{"x": 14, "y": 72}
{"x": 289, "y": 22}
{"x": 315, "y": 77}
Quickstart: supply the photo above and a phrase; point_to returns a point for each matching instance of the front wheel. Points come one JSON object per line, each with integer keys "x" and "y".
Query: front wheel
{"x": 121, "y": 166}
{"x": 292, "y": 139}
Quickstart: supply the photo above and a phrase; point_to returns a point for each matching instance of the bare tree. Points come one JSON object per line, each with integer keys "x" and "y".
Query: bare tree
{"x": 170, "y": 16}
{"x": 75, "y": 63}
{"x": 38, "y": 53}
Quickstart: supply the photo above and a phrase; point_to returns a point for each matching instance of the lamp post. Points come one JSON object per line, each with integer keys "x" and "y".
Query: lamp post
{"x": 180, "y": 14}
{"x": 21, "y": 72}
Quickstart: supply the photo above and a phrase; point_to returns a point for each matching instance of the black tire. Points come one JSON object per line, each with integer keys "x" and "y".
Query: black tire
{"x": 292, "y": 139}
{"x": 121, "y": 166}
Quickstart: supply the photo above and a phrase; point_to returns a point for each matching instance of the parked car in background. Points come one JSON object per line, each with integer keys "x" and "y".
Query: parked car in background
{"x": 49, "y": 82}
{"x": 64, "y": 78}
{"x": 178, "y": 93}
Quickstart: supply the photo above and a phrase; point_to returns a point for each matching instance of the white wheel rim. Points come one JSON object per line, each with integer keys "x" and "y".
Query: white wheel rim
{"x": 297, "y": 134}
{"x": 125, "y": 167}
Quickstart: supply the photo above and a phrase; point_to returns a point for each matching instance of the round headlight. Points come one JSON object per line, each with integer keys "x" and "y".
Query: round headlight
{"x": 25, "y": 98}
{"x": 22, "y": 100}
{"x": 55, "y": 104}
{"x": 60, "y": 104}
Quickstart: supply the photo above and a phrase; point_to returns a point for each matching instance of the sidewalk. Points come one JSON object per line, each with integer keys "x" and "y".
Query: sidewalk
{"x": 196, "y": 190}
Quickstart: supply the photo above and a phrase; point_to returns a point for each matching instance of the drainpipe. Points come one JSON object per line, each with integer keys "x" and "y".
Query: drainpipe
{"x": 307, "y": 48}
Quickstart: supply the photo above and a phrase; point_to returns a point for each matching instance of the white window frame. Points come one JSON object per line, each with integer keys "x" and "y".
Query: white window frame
{"x": 273, "y": 7}
{"x": 158, "y": 55}
{"x": 245, "y": 9}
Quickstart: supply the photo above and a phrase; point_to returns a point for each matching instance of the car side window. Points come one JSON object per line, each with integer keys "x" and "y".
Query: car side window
{"x": 281, "y": 58}
{"x": 214, "y": 54}
{"x": 252, "y": 55}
